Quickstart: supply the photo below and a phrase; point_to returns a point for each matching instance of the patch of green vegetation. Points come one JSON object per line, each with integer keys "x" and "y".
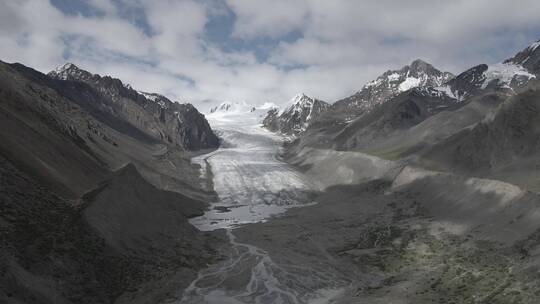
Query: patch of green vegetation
{"x": 480, "y": 273}
{"x": 393, "y": 153}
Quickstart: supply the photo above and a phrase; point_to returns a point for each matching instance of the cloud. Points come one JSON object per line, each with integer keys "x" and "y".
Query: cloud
{"x": 267, "y": 18}
{"x": 267, "y": 50}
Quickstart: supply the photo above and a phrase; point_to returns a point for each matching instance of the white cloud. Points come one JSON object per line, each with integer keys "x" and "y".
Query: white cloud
{"x": 268, "y": 18}
{"x": 106, "y": 6}
{"x": 342, "y": 43}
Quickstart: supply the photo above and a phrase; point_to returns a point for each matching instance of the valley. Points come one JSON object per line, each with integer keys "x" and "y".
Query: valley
{"x": 418, "y": 185}
{"x": 375, "y": 227}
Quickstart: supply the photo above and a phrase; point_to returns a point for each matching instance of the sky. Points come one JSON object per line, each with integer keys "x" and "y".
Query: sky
{"x": 209, "y": 51}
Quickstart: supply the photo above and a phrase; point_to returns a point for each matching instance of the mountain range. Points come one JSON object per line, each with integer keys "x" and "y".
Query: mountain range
{"x": 438, "y": 120}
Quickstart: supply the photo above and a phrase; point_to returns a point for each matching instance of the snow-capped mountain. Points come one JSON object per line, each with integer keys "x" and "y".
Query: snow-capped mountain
{"x": 69, "y": 71}
{"x": 232, "y": 107}
{"x": 228, "y": 108}
{"x": 296, "y": 117}
{"x": 509, "y": 75}
{"x": 505, "y": 75}
{"x": 529, "y": 58}
{"x": 391, "y": 83}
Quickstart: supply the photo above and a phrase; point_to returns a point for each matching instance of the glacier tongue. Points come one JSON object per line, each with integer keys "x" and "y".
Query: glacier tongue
{"x": 251, "y": 183}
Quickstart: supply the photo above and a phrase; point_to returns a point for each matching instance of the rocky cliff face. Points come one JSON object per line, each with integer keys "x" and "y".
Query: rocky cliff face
{"x": 154, "y": 114}
{"x": 296, "y": 117}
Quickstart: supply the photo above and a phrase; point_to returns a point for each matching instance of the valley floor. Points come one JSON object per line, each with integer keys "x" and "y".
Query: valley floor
{"x": 368, "y": 231}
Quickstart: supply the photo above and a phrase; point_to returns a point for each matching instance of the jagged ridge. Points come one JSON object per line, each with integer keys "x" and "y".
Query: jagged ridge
{"x": 156, "y": 115}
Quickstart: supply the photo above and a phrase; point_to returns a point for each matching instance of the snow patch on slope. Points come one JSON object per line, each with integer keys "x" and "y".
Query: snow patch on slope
{"x": 148, "y": 96}
{"x": 446, "y": 90}
{"x": 504, "y": 73}
{"x": 155, "y": 98}
{"x": 409, "y": 83}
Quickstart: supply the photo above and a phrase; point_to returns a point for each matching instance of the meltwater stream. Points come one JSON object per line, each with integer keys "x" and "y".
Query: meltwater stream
{"x": 252, "y": 186}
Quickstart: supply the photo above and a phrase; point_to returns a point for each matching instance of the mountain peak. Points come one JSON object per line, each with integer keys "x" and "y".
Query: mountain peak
{"x": 421, "y": 66}
{"x": 418, "y": 74}
{"x": 235, "y": 107}
{"x": 300, "y": 97}
{"x": 69, "y": 71}
{"x": 296, "y": 117}
{"x": 419, "y": 63}
{"x": 67, "y": 66}
{"x": 529, "y": 58}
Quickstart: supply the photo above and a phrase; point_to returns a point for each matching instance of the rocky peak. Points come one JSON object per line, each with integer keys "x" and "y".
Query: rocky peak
{"x": 508, "y": 76}
{"x": 529, "y": 58}
{"x": 69, "y": 71}
{"x": 154, "y": 114}
{"x": 418, "y": 74}
{"x": 301, "y": 98}
{"x": 296, "y": 117}
{"x": 391, "y": 83}
{"x": 301, "y": 102}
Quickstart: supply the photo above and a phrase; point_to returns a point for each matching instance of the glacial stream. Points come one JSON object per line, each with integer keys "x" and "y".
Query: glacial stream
{"x": 252, "y": 186}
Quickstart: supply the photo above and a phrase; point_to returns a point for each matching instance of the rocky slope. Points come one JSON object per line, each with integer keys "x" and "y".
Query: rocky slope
{"x": 97, "y": 250}
{"x": 150, "y": 226}
{"x": 157, "y": 116}
{"x": 411, "y": 236}
{"x": 63, "y": 140}
{"x": 503, "y": 145}
{"x": 296, "y": 117}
